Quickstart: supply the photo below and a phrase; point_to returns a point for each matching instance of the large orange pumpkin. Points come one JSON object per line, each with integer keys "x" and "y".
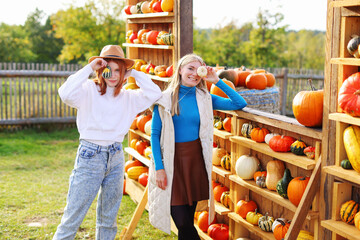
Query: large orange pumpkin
{"x": 349, "y": 95}
{"x": 151, "y": 37}
{"x": 256, "y": 81}
{"x": 296, "y": 189}
{"x": 217, "y": 91}
{"x": 308, "y": 107}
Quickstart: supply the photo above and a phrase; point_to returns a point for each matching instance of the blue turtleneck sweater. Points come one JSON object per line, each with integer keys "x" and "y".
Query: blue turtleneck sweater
{"x": 187, "y": 124}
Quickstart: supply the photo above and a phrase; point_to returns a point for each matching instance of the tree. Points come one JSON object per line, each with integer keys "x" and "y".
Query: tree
{"x": 44, "y": 45}
{"x": 85, "y": 30}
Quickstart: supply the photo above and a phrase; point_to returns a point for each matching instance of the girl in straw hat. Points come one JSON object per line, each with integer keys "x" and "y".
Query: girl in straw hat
{"x": 182, "y": 142}
{"x": 105, "y": 112}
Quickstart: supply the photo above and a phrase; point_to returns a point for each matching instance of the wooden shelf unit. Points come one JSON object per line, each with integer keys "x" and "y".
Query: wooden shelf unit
{"x": 339, "y": 185}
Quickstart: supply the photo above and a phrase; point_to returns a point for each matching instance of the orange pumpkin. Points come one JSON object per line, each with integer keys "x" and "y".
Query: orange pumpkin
{"x": 308, "y": 107}
{"x": 217, "y": 91}
{"x": 227, "y": 124}
{"x": 349, "y": 95}
{"x": 218, "y": 191}
{"x": 296, "y": 189}
{"x": 270, "y": 79}
{"x": 215, "y": 183}
{"x": 260, "y": 173}
{"x": 256, "y": 81}
{"x": 143, "y": 179}
{"x": 142, "y": 120}
{"x": 242, "y": 75}
{"x": 133, "y": 143}
{"x": 203, "y": 221}
{"x": 141, "y": 32}
{"x": 258, "y": 134}
{"x": 243, "y": 207}
{"x": 281, "y": 230}
{"x": 151, "y": 37}
{"x": 141, "y": 145}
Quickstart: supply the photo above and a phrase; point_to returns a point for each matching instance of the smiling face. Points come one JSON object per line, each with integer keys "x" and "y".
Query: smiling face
{"x": 189, "y": 76}
{"x": 115, "y": 75}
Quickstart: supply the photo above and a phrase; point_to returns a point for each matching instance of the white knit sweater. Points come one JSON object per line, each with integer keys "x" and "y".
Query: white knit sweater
{"x": 105, "y": 118}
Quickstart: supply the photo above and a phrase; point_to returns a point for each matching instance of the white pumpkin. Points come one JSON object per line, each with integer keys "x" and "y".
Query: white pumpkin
{"x": 133, "y": 9}
{"x": 246, "y": 166}
{"x": 147, "y": 127}
{"x": 218, "y": 153}
{"x": 145, "y": 7}
{"x": 277, "y": 222}
{"x": 269, "y": 136}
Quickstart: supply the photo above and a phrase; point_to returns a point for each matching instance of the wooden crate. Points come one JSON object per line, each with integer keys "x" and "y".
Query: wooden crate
{"x": 338, "y": 184}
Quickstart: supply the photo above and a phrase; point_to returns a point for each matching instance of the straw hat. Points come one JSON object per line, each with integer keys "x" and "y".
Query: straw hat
{"x": 115, "y": 52}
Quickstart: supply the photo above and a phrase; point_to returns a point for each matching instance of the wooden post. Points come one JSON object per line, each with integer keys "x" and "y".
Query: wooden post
{"x": 283, "y": 90}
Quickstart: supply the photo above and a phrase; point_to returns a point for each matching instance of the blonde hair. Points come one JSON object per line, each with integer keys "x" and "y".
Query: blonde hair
{"x": 175, "y": 83}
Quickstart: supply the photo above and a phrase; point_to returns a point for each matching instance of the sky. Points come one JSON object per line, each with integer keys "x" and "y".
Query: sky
{"x": 298, "y": 15}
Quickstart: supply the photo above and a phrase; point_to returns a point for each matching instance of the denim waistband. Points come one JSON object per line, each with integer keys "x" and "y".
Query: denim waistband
{"x": 113, "y": 147}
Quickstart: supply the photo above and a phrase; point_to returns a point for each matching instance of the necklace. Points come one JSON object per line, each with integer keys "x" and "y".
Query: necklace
{"x": 185, "y": 94}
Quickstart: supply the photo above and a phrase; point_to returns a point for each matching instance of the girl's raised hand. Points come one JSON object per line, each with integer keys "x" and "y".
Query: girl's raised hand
{"x": 98, "y": 63}
{"x": 128, "y": 73}
{"x": 211, "y": 75}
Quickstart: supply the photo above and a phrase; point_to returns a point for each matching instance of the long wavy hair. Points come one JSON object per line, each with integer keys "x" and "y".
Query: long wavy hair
{"x": 175, "y": 83}
{"x": 100, "y": 81}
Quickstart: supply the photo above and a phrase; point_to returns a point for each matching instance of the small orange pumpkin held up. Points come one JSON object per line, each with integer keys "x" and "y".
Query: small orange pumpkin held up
{"x": 308, "y": 107}
{"x": 256, "y": 81}
{"x": 258, "y": 134}
{"x": 296, "y": 189}
{"x": 217, "y": 91}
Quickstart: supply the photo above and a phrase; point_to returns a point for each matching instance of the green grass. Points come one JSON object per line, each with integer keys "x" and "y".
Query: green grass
{"x": 35, "y": 166}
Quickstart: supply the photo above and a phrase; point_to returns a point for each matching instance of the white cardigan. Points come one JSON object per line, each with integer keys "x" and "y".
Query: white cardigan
{"x": 159, "y": 200}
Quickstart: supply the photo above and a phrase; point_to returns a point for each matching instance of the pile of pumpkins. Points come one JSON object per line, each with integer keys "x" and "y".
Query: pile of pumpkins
{"x": 147, "y": 36}
{"x": 150, "y": 68}
{"x": 252, "y": 79}
{"x": 142, "y": 123}
{"x": 136, "y": 170}
{"x": 153, "y": 6}
{"x": 215, "y": 230}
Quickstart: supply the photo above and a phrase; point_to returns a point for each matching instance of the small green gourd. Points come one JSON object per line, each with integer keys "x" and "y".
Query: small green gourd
{"x": 282, "y": 185}
{"x": 345, "y": 164}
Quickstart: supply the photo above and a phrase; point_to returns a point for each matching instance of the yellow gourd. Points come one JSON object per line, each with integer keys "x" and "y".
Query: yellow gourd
{"x": 135, "y": 172}
{"x": 275, "y": 171}
{"x": 352, "y": 146}
{"x": 167, "y": 5}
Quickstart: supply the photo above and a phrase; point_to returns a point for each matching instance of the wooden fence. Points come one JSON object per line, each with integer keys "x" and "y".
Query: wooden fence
{"x": 30, "y": 96}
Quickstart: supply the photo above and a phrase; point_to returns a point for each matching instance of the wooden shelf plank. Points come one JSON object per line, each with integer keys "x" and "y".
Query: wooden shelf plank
{"x": 221, "y": 209}
{"x": 300, "y": 161}
{"x": 150, "y": 15}
{"x": 162, "y": 79}
{"x": 271, "y": 195}
{"x": 346, "y": 61}
{"x": 141, "y": 134}
{"x": 344, "y": 3}
{"x": 339, "y": 227}
{"x": 345, "y": 118}
{"x": 222, "y": 133}
{"x": 221, "y": 171}
{"x": 148, "y": 46}
{"x": 278, "y": 121}
{"x": 254, "y": 229}
{"x": 138, "y": 156}
{"x": 202, "y": 235}
{"x": 346, "y": 174}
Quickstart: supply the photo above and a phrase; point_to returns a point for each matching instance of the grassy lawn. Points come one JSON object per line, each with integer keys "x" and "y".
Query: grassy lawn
{"x": 35, "y": 166}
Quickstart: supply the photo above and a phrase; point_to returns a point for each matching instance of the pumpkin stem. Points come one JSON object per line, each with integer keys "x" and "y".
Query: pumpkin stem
{"x": 311, "y": 85}
{"x": 357, "y": 92}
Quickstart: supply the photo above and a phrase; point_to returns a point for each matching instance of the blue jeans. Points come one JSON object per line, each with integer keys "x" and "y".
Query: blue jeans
{"x": 96, "y": 168}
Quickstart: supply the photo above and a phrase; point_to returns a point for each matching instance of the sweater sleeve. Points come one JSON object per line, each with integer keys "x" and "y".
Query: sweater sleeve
{"x": 148, "y": 93}
{"x": 234, "y": 102}
{"x": 156, "y": 126}
{"x": 72, "y": 90}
